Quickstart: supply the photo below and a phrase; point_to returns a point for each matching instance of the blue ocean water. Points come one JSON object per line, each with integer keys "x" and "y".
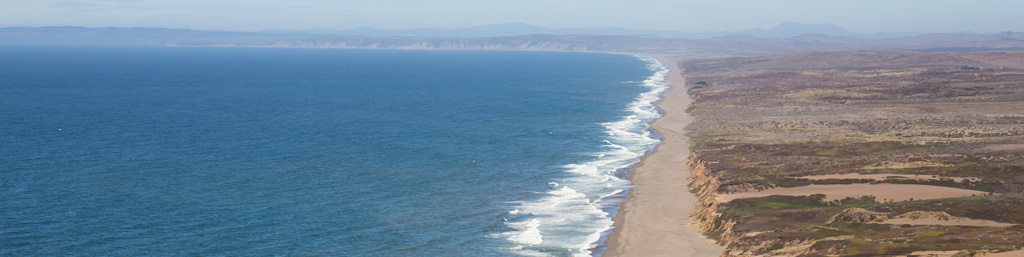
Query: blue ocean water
{"x": 122, "y": 151}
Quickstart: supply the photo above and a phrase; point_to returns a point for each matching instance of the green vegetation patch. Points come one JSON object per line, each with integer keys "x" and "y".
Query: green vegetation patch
{"x": 1008, "y": 209}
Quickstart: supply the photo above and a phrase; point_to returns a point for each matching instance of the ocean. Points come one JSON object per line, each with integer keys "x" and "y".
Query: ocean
{"x": 128, "y": 151}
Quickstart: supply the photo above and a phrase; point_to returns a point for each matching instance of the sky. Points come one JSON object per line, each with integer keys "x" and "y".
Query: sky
{"x": 862, "y": 16}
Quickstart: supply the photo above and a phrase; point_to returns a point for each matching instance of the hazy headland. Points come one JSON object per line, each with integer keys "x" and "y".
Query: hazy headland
{"x": 785, "y": 38}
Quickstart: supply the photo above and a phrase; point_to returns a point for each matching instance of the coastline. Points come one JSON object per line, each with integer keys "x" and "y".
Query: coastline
{"x": 654, "y": 220}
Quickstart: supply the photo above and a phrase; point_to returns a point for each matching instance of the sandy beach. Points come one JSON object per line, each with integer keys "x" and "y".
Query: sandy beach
{"x": 655, "y": 219}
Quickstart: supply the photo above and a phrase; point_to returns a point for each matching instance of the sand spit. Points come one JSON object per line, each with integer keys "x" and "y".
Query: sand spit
{"x": 881, "y": 192}
{"x": 654, "y": 220}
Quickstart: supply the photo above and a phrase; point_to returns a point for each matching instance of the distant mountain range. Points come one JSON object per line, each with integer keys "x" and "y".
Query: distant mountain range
{"x": 792, "y": 29}
{"x": 521, "y": 37}
{"x": 495, "y": 30}
{"x": 784, "y": 30}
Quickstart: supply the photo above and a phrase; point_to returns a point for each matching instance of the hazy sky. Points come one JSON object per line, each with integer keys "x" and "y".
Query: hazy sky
{"x": 864, "y": 16}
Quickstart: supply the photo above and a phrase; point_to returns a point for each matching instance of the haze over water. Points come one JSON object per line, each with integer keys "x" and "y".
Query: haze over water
{"x": 211, "y": 151}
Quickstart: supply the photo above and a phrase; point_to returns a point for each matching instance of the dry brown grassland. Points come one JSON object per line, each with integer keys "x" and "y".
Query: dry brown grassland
{"x": 879, "y": 153}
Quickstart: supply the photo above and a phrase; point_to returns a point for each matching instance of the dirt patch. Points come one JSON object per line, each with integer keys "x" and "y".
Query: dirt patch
{"x": 882, "y": 177}
{"x": 1017, "y": 253}
{"x": 933, "y": 254}
{"x": 881, "y": 192}
{"x": 933, "y": 218}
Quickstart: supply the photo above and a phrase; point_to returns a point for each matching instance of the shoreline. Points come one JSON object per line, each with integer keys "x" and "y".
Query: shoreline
{"x": 654, "y": 220}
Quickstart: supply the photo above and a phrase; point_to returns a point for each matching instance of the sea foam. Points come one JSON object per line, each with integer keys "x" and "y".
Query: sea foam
{"x": 575, "y": 215}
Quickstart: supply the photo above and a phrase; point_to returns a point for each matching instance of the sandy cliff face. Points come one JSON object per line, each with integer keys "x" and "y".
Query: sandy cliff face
{"x": 737, "y": 244}
{"x": 704, "y": 185}
{"x": 707, "y": 217}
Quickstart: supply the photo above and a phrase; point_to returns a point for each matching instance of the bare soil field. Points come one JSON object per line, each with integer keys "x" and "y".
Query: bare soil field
{"x": 883, "y": 176}
{"x": 882, "y": 192}
{"x": 860, "y": 153}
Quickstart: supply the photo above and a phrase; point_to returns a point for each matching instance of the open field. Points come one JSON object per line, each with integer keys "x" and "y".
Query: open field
{"x": 881, "y": 192}
{"x": 860, "y": 153}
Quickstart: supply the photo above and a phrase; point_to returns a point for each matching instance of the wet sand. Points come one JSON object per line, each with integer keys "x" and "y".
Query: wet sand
{"x": 655, "y": 219}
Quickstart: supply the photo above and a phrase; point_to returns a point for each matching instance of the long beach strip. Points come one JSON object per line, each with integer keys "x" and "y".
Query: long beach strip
{"x": 654, "y": 220}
